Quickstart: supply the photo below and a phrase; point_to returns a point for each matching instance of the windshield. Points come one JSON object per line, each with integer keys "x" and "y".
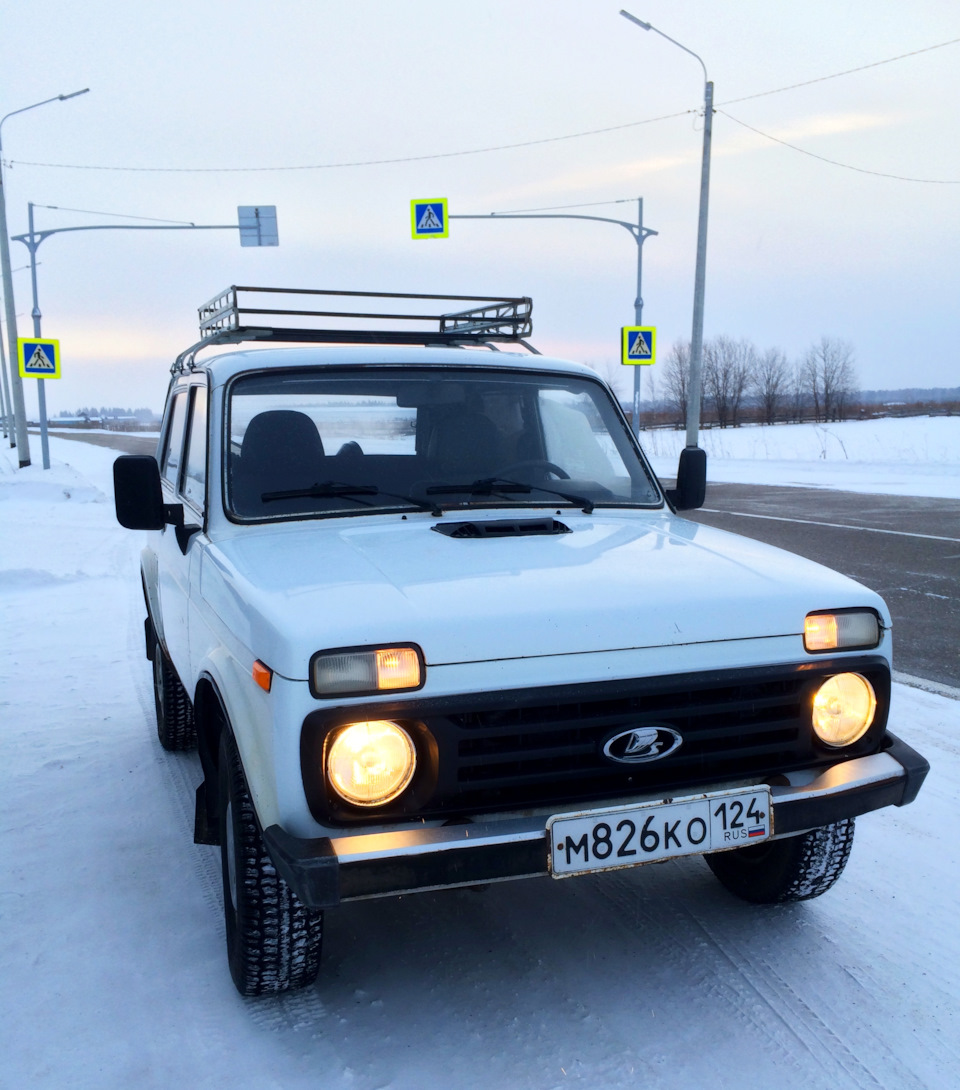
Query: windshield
{"x": 315, "y": 443}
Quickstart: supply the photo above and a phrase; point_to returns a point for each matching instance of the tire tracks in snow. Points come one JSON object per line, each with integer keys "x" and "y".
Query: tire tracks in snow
{"x": 818, "y": 1046}
{"x": 482, "y": 968}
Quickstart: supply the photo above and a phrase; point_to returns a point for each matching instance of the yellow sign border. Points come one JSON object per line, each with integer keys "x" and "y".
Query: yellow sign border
{"x": 413, "y": 218}
{"x": 22, "y": 342}
{"x": 624, "y": 338}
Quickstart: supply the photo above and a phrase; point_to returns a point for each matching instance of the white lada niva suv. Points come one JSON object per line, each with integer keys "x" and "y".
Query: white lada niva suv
{"x": 431, "y": 620}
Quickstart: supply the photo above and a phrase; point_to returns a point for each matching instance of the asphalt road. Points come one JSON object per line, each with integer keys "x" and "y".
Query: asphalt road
{"x": 905, "y": 548}
{"x": 128, "y": 442}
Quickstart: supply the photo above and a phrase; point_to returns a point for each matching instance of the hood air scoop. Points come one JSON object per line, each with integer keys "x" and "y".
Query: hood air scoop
{"x": 503, "y": 528}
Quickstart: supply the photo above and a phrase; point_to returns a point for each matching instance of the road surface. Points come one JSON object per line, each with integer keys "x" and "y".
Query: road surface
{"x": 905, "y": 548}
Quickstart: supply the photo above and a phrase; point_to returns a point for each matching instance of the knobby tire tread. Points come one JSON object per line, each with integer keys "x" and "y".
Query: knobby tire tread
{"x": 175, "y": 724}
{"x": 794, "y": 869}
{"x": 273, "y": 940}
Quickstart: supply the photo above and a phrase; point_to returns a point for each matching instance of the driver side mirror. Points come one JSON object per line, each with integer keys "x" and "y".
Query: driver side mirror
{"x": 139, "y": 498}
{"x": 691, "y": 487}
{"x": 137, "y": 493}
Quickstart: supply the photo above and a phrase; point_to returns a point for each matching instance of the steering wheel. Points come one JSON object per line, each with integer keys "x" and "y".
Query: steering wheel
{"x": 535, "y": 463}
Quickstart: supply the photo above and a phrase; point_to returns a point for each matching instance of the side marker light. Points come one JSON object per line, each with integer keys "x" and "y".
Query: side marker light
{"x": 262, "y": 675}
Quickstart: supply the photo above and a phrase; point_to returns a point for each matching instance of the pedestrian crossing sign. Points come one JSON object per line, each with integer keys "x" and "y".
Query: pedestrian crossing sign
{"x": 38, "y": 357}
{"x": 428, "y": 219}
{"x": 638, "y": 344}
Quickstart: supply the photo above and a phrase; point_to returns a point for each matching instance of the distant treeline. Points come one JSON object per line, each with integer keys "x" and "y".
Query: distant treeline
{"x": 743, "y": 384}
{"x": 912, "y": 395}
{"x": 143, "y": 415}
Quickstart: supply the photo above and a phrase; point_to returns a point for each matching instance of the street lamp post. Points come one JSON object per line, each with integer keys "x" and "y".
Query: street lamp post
{"x": 640, "y": 235}
{"x": 696, "y": 338}
{"x": 19, "y": 411}
{"x": 5, "y": 395}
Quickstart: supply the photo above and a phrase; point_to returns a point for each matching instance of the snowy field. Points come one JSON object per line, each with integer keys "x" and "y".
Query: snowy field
{"x": 916, "y": 456}
{"x": 113, "y": 970}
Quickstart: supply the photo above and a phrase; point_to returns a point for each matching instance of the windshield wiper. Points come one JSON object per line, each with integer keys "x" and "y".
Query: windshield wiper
{"x": 487, "y": 486}
{"x": 350, "y": 492}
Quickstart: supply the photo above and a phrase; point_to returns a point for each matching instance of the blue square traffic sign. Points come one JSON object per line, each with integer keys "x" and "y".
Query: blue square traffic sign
{"x": 638, "y": 345}
{"x": 39, "y": 357}
{"x": 428, "y": 219}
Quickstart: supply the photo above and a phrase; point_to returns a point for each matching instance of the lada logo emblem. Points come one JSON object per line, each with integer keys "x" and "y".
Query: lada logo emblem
{"x": 642, "y": 744}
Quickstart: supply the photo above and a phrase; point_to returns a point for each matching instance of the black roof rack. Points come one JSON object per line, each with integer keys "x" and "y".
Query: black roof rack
{"x": 232, "y": 317}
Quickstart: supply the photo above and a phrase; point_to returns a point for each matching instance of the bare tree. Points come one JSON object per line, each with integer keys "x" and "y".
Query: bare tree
{"x": 830, "y": 377}
{"x": 770, "y": 383}
{"x": 797, "y": 393}
{"x": 676, "y": 376}
{"x": 727, "y": 369}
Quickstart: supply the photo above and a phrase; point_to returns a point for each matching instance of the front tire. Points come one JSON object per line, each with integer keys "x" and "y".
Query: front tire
{"x": 273, "y": 940}
{"x": 175, "y": 725}
{"x": 796, "y": 868}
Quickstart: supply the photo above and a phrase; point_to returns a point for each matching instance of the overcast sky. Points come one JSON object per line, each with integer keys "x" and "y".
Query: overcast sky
{"x": 798, "y": 247}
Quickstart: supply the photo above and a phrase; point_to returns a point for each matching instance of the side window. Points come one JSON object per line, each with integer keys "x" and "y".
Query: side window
{"x": 170, "y": 466}
{"x": 194, "y": 480}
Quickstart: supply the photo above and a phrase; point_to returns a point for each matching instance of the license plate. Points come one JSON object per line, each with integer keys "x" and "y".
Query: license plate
{"x": 627, "y": 836}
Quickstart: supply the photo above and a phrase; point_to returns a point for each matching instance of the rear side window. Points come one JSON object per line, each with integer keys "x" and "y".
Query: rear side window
{"x": 173, "y": 447}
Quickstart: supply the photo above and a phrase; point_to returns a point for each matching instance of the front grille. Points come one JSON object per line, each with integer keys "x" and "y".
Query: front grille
{"x": 544, "y": 747}
{"x": 552, "y": 752}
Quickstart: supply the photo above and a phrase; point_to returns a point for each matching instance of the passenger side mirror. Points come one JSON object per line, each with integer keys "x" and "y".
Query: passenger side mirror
{"x": 691, "y": 487}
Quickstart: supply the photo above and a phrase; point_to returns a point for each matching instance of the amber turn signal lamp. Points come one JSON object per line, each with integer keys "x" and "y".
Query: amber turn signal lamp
{"x": 262, "y": 675}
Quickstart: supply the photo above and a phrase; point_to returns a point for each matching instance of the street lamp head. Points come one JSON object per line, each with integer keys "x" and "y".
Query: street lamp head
{"x": 73, "y": 94}
{"x": 634, "y": 19}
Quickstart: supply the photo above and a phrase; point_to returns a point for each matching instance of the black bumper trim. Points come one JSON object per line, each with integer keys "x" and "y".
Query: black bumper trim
{"x": 309, "y": 866}
{"x": 324, "y": 871}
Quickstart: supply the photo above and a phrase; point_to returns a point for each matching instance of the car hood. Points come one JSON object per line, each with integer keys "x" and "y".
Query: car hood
{"x": 616, "y": 581}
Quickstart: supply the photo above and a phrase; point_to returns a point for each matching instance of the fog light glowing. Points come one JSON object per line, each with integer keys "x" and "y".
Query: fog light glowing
{"x": 370, "y": 763}
{"x": 843, "y": 709}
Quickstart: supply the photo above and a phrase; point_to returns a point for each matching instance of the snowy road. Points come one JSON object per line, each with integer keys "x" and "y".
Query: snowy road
{"x": 113, "y": 972}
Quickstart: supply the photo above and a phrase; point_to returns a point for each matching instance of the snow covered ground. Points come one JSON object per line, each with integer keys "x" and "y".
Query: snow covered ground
{"x": 916, "y": 456}
{"x": 113, "y": 972}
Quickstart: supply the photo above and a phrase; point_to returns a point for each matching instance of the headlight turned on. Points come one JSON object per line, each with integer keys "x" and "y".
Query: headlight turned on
{"x": 370, "y": 763}
{"x": 843, "y": 709}
{"x": 353, "y": 671}
{"x": 841, "y": 630}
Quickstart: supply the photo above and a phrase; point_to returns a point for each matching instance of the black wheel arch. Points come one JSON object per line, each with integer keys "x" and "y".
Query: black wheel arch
{"x": 210, "y": 716}
{"x": 149, "y": 628}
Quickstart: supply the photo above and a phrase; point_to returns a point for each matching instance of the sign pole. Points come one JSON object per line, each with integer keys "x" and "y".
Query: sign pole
{"x": 640, "y": 235}
{"x": 41, "y": 393}
{"x": 5, "y": 396}
{"x": 638, "y": 318}
{"x": 258, "y": 227}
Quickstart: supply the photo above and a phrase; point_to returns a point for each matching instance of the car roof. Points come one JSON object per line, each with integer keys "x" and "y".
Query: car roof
{"x": 224, "y": 366}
